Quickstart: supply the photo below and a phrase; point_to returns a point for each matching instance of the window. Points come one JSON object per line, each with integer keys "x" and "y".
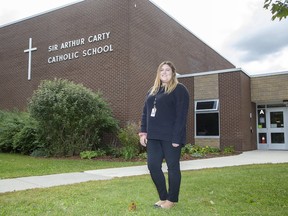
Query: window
{"x": 206, "y": 105}
{"x": 207, "y": 118}
{"x": 261, "y": 117}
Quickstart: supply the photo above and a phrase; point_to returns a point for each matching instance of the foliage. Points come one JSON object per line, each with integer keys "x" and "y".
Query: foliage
{"x": 18, "y": 132}
{"x": 278, "y": 8}
{"x": 129, "y": 152}
{"x": 39, "y": 152}
{"x": 187, "y": 149}
{"x": 71, "y": 118}
{"x": 92, "y": 154}
{"x": 228, "y": 150}
{"x": 129, "y": 139}
{"x": 143, "y": 155}
{"x": 114, "y": 151}
{"x": 199, "y": 151}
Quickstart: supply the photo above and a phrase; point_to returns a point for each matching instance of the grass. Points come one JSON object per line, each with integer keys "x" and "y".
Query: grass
{"x": 241, "y": 190}
{"x": 14, "y": 165}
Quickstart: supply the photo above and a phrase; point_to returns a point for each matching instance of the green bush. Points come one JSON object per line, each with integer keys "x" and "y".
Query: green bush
{"x": 199, "y": 151}
{"x": 92, "y": 154}
{"x": 40, "y": 152}
{"x": 17, "y": 132}
{"x": 26, "y": 140}
{"x": 143, "y": 155}
{"x": 71, "y": 118}
{"x": 114, "y": 151}
{"x": 228, "y": 150}
{"x": 187, "y": 149}
{"x": 9, "y": 126}
{"x": 129, "y": 139}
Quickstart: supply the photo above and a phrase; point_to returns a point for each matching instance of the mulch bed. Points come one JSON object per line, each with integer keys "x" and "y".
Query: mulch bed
{"x": 190, "y": 157}
{"x": 183, "y": 158}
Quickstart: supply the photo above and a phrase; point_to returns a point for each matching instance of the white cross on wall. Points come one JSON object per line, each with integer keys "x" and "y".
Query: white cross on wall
{"x": 30, "y": 50}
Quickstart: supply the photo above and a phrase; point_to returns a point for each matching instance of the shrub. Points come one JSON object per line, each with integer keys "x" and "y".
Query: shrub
{"x": 199, "y": 151}
{"x": 26, "y": 140}
{"x": 213, "y": 150}
{"x": 39, "y": 152}
{"x": 71, "y": 118}
{"x": 187, "y": 149}
{"x": 143, "y": 155}
{"x": 9, "y": 126}
{"x": 129, "y": 139}
{"x": 17, "y": 132}
{"x": 114, "y": 151}
{"x": 92, "y": 154}
{"x": 228, "y": 150}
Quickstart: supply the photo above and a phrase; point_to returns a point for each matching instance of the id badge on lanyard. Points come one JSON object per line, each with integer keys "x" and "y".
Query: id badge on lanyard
{"x": 153, "y": 111}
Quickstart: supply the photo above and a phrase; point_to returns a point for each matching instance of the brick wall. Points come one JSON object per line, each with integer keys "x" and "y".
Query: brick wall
{"x": 189, "y": 83}
{"x": 230, "y": 109}
{"x": 155, "y": 37}
{"x": 212, "y": 142}
{"x": 272, "y": 88}
{"x": 206, "y": 87}
{"x": 104, "y": 72}
{"x": 235, "y": 109}
{"x": 142, "y": 37}
{"x": 248, "y": 114}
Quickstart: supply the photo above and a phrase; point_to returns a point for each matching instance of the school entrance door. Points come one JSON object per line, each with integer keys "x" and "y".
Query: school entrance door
{"x": 273, "y": 127}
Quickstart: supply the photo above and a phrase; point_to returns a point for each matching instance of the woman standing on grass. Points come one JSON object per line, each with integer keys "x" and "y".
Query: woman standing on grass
{"x": 163, "y": 131}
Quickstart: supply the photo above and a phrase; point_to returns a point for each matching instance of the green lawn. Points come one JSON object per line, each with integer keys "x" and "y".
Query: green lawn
{"x": 241, "y": 190}
{"x": 13, "y": 165}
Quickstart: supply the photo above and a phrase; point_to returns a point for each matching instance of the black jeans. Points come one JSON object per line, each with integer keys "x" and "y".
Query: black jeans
{"x": 157, "y": 150}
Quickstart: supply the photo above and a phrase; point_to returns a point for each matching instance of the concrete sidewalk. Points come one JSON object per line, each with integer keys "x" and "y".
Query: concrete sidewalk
{"x": 250, "y": 157}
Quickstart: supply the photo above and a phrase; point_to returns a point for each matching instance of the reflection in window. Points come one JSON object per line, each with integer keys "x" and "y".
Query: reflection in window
{"x": 276, "y": 120}
{"x": 207, "y": 105}
{"x": 262, "y": 138}
{"x": 277, "y": 138}
{"x": 207, "y": 124}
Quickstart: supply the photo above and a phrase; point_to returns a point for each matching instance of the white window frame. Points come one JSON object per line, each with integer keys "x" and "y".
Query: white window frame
{"x": 215, "y": 106}
{"x": 215, "y": 109}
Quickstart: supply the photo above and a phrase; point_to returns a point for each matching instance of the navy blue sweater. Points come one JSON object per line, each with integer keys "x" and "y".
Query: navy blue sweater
{"x": 169, "y": 123}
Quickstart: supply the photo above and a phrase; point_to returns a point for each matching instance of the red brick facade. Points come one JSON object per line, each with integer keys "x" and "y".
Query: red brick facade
{"x": 141, "y": 36}
{"x": 237, "y": 113}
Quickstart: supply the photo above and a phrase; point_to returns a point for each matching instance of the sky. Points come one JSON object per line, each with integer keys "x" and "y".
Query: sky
{"x": 240, "y": 30}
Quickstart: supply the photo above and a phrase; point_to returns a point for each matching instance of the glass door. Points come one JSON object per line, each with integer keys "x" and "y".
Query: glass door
{"x": 277, "y": 129}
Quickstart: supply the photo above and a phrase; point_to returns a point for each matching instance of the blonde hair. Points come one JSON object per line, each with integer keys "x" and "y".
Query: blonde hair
{"x": 171, "y": 85}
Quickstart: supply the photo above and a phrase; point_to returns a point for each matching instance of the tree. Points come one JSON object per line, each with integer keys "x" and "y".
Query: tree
{"x": 278, "y": 8}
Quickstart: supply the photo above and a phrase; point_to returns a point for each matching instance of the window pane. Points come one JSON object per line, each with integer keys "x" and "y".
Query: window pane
{"x": 262, "y": 118}
{"x": 276, "y": 119}
{"x": 206, "y": 105}
{"x": 262, "y": 138}
{"x": 207, "y": 124}
{"x": 275, "y": 105}
{"x": 277, "y": 138}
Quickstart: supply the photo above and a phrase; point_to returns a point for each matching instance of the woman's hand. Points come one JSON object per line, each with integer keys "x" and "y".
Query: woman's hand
{"x": 143, "y": 139}
{"x": 175, "y": 145}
